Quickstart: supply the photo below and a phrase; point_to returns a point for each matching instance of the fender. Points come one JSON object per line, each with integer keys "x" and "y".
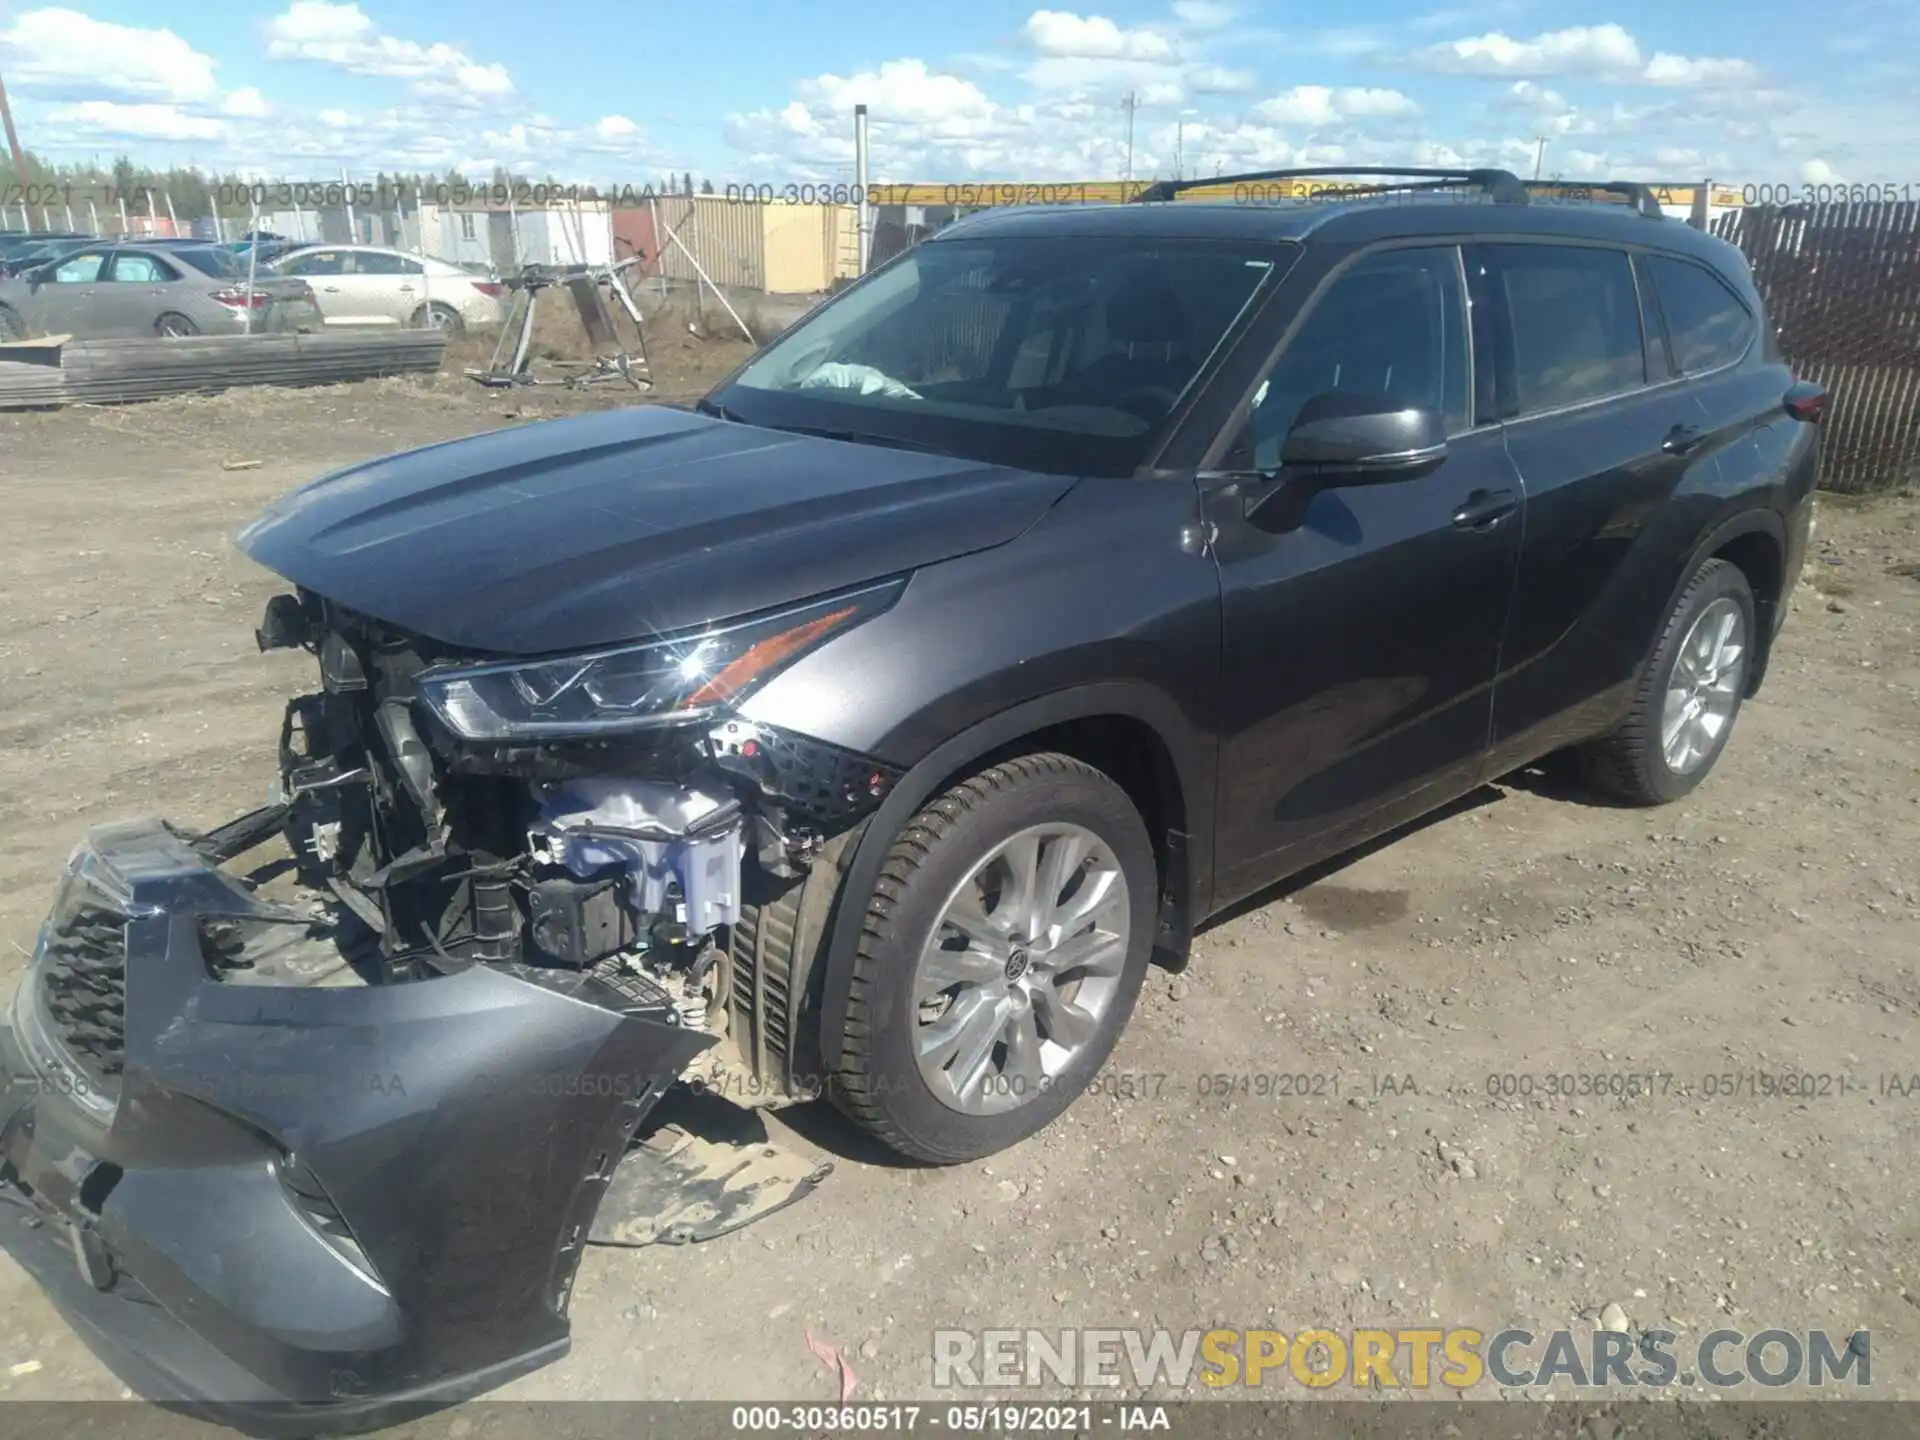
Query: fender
{"x": 1756, "y": 520}
{"x": 1189, "y": 881}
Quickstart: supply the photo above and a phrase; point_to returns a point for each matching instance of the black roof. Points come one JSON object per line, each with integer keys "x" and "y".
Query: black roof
{"x": 1350, "y": 221}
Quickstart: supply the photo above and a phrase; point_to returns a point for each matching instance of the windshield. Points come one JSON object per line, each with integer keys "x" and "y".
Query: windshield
{"x": 1057, "y": 353}
{"x": 219, "y": 263}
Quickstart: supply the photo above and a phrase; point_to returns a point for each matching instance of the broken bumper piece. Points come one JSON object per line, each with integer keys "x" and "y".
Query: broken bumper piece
{"x": 304, "y": 1205}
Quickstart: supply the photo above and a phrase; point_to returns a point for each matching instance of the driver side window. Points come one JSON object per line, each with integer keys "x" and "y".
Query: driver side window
{"x": 1395, "y": 324}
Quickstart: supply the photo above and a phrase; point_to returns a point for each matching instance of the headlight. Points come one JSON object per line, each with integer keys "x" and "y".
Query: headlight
{"x": 671, "y": 681}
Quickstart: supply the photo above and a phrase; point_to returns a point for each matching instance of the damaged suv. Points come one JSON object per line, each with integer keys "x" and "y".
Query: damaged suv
{"x": 868, "y": 730}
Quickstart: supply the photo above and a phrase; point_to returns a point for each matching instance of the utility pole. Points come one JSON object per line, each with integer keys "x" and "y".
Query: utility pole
{"x": 20, "y": 175}
{"x": 862, "y": 181}
{"x": 1179, "y": 147}
{"x": 1130, "y": 104}
{"x": 1539, "y": 154}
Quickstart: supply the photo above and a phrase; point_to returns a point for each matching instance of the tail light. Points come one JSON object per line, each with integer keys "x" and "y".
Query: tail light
{"x": 492, "y": 289}
{"x": 1806, "y": 401}
{"x": 241, "y": 300}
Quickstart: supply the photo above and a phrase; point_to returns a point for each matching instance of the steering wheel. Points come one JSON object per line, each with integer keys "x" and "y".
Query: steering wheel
{"x": 1149, "y": 402}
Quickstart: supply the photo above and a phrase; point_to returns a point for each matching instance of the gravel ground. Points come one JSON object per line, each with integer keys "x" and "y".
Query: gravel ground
{"x": 1430, "y": 988}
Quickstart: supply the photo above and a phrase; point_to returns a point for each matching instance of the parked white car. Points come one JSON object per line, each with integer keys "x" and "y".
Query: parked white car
{"x": 370, "y": 285}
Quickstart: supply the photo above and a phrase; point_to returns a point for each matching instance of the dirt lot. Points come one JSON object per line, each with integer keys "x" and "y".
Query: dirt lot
{"x": 1767, "y": 924}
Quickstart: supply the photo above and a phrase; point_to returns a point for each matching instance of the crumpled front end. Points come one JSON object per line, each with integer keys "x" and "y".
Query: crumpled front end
{"x": 333, "y": 1135}
{"x": 256, "y": 1181}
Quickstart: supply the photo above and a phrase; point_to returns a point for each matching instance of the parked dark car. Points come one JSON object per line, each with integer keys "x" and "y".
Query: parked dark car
{"x": 265, "y": 248}
{"x": 876, "y": 724}
{"x": 23, "y": 251}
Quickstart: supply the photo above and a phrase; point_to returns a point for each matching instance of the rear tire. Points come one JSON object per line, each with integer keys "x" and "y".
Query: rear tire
{"x": 1689, "y": 695}
{"x": 11, "y": 326}
{"x": 435, "y": 316}
{"x": 174, "y": 324}
{"x": 1044, "y": 978}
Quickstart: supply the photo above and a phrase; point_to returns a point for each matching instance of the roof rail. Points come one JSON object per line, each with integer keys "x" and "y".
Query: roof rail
{"x": 1502, "y": 185}
{"x": 1641, "y": 197}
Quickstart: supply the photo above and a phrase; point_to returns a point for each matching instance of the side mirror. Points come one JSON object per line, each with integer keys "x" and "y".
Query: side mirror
{"x": 1344, "y": 438}
{"x": 1341, "y": 438}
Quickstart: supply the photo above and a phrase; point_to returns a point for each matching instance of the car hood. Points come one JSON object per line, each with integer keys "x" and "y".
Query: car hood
{"x": 615, "y": 526}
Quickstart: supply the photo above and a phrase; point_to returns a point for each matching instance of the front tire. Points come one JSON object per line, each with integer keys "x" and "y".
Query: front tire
{"x": 11, "y": 326}
{"x": 1002, "y": 952}
{"x": 1689, "y": 695}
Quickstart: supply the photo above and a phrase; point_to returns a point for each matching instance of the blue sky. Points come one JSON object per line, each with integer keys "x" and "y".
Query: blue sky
{"x": 1743, "y": 90}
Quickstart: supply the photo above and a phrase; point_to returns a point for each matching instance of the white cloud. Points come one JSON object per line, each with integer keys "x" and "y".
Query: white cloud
{"x": 63, "y": 50}
{"x": 1219, "y": 80}
{"x": 1085, "y": 75}
{"x": 1606, "y": 52}
{"x": 1679, "y": 71}
{"x": 343, "y": 36}
{"x": 1093, "y": 37}
{"x": 901, "y": 92}
{"x": 1204, "y": 14}
{"x": 151, "y": 120}
{"x": 915, "y": 110}
{"x": 1323, "y": 105}
{"x": 1582, "y": 48}
{"x": 247, "y": 104}
{"x": 1526, "y": 95}
{"x": 615, "y": 127}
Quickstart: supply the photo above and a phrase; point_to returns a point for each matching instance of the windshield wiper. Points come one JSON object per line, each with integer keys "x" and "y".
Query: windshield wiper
{"x": 857, "y": 437}
{"x": 819, "y": 432}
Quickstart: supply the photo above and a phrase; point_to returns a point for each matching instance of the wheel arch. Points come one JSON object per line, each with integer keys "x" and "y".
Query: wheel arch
{"x": 1131, "y": 732}
{"x": 1755, "y": 542}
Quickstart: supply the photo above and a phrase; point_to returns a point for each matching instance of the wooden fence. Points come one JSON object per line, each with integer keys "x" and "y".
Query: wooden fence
{"x": 1842, "y": 283}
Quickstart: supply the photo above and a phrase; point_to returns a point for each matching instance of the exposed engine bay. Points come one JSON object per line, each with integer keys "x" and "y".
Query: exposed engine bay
{"x": 621, "y": 858}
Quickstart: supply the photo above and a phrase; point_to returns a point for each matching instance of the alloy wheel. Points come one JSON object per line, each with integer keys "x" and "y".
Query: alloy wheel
{"x": 1704, "y": 689}
{"x": 1021, "y": 970}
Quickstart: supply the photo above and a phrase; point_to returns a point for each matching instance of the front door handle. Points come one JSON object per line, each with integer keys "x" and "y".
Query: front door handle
{"x": 1683, "y": 439}
{"x": 1484, "y": 509}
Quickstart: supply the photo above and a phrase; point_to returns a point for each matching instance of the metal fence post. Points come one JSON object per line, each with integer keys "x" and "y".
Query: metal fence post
{"x": 860, "y": 178}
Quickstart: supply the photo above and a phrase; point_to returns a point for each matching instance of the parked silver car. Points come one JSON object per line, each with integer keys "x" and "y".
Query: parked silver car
{"x": 113, "y": 291}
{"x": 371, "y": 285}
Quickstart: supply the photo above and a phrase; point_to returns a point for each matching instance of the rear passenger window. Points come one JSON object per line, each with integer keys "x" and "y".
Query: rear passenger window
{"x": 1706, "y": 322}
{"x": 1576, "y": 324}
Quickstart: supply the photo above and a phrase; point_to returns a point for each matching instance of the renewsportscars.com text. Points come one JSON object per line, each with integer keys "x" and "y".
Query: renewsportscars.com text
{"x": 1411, "y": 1359}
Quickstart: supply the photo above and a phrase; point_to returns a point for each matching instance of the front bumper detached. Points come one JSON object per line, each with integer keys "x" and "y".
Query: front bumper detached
{"x": 300, "y": 1201}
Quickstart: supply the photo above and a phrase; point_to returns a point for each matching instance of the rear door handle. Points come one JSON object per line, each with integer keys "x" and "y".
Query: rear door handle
{"x": 1683, "y": 439}
{"x": 1484, "y": 509}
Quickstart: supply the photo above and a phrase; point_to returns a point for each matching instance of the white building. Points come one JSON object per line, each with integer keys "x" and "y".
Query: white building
{"x": 579, "y": 234}
{"x": 503, "y": 238}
